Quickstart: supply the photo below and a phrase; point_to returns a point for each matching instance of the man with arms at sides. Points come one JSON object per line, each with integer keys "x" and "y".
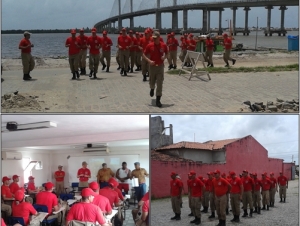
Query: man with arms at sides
{"x": 109, "y": 193}
{"x": 236, "y": 195}
{"x": 106, "y": 51}
{"x": 283, "y": 185}
{"x": 175, "y": 192}
{"x": 20, "y": 208}
{"x": 100, "y": 200}
{"x": 86, "y": 211}
{"x": 123, "y": 175}
{"x": 141, "y": 174}
{"x": 84, "y": 174}
{"x": 83, "y": 51}
{"x": 94, "y": 45}
{"x": 273, "y": 190}
{"x": 104, "y": 175}
{"x": 59, "y": 177}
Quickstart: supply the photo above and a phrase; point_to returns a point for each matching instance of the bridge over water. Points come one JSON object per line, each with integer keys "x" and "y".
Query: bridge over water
{"x": 129, "y": 9}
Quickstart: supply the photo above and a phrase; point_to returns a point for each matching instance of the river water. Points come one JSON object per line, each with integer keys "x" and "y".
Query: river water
{"x": 53, "y": 45}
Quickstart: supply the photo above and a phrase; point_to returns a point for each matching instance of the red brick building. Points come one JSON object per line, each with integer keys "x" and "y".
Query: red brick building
{"x": 224, "y": 155}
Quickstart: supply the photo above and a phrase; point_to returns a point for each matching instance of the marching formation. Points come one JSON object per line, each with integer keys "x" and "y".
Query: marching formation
{"x": 216, "y": 191}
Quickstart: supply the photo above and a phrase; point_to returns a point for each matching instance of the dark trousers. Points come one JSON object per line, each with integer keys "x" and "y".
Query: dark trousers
{"x": 140, "y": 191}
{"x": 103, "y": 184}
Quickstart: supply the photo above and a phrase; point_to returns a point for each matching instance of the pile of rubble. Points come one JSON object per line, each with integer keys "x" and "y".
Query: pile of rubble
{"x": 12, "y": 101}
{"x": 284, "y": 106}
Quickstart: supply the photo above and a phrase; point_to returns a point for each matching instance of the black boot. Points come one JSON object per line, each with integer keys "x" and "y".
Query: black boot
{"x": 220, "y": 223}
{"x": 128, "y": 69}
{"x": 191, "y": 214}
{"x": 91, "y": 73}
{"x": 119, "y": 67}
{"x": 178, "y": 217}
{"x": 151, "y": 95}
{"x": 107, "y": 69}
{"x": 206, "y": 209}
{"x": 212, "y": 215}
{"x": 84, "y": 71}
{"x": 234, "y": 218}
{"x": 227, "y": 212}
{"x": 245, "y": 213}
{"x": 144, "y": 78}
{"x": 280, "y": 200}
{"x": 267, "y": 207}
{"x": 198, "y": 221}
{"x": 95, "y": 75}
{"x": 77, "y": 73}
{"x": 131, "y": 70}
{"x": 158, "y": 104}
{"x": 264, "y": 207}
{"x": 284, "y": 200}
{"x": 74, "y": 77}
{"x": 223, "y": 222}
{"x": 81, "y": 71}
{"x": 25, "y": 77}
{"x": 258, "y": 210}
{"x": 125, "y": 73}
{"x": 173, "y": 218}
{"x": 194, "y": 221}
{"x": 251, "y": 211}
{"x": 103, "y": 66}
{"x": 237, "y": 219}
{"x": 121, "y": 72}
{"x": 175, "y": 67}
{"x": 255, "y": 210}
{"x": 233, "y": 61}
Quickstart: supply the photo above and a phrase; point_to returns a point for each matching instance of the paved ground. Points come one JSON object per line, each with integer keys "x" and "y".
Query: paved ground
{"x": 113, "y": 93}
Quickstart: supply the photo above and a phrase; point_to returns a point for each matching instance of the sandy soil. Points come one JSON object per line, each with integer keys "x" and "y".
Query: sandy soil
{"x": 244, "y": 59}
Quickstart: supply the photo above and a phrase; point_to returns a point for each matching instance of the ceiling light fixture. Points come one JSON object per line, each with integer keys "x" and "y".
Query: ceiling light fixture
{"x": 15, "y": 127}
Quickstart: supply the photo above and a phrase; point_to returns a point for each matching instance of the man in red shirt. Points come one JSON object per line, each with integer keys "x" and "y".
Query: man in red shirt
{"x": 228, "y": 45}
{"x": 283, "y": 185}
{"x": 100, "y": 200}
{"x": 144, "y": 43}
{"x": 27, "y": 59}
{"x": 84, "y": 174}
{"x": 31, "y": 186}
{"x": 179, "y": 178}
{"x": 247, "y": 195}
{"x": 266, "y": 186}
{"x": 109, "y": 193}
{"x": 132, "y": 50}
{"x": 155, "y": 53}
{"x": 74, "y": 45}
{"x": 209, "y": 184}
{"x": 106, "y": 51}
{"x": 83, "y": 51}
{"x": 23, "y": 209}
{"x": 209, "y": 50}
{"x": 172, "y": 43}
{"x": 59, "y": 179}
{"x": 256, "y": 194}
{"x": 189, "y": 194}
{"x": 124, "y": 43}
{"x": 220, "y": 188}
{"x": 227, "y": 195}
{"x": 236, "y": 195}
{"x": 175, "y": 192}
{"x": 94, "y": 45}
{"x": 183, "y": 46}
{"x": 117, "y": 53}
{"x": 273, "y": 189}
{"x": 86, "y": 211}
{"x": 197, "y": 190}
{"x": 191, "y": 46}
{"x": 138, "y": 52}
{"x": 14, "y": 185}
{"x": 205, "y": 201}
{"x": 6, "y": 194}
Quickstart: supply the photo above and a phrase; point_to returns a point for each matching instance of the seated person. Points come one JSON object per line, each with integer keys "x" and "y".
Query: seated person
{"x": 120, "y": 195}
{"x": 85, "y": 211}
{"x": 14, "y": 187}
{"x": 140, "y": 206}
{"x": 100, "y": 200}
{"x": 109, "y": 193}
{"x": 20, "y": 208}
{"x": 6, "y": 194}
{"x": 31, "y": 186}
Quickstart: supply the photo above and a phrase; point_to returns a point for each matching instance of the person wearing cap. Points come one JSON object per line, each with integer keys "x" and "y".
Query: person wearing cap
{"x": 138, "y": 52}
{"x": 23, "y": 209}
{"x": 223, "y": 175}
{"x": 123, "y": 175}
{"x": 227, "y": 49}
{"x": 191, "y": 46}
{"x": 209, "y": 50}
{"x": 117, "y": 53}
{"x": 94, "y": 45}
{"x": 183, "y": 46}
{"x": 84, "y": 174}
{"x": 27, "y": 59}
{"x": 115, "y": 188}
{"x": 110, "y": 193}
{"x": 14, "y": 186}
{"x": 144, "y": 43}
{"x": 31, "y": 188}
{"x": 175, "y": 192}
{"x": 155, "y": 53}
{"x": 220, "y": 188}
{"x": 132, "y": 51}
{"x": 248, "y": 185}
{"x": 106, "y": 51}
{"x": 6, "y": 194}
{"x": 59, "y": 176}
{"x": 256, "y": 194}
{"x": 266, "y": 186}
{"x": 86, "y": 211}
{"x": 83, "y": 51}
{"x": 208, "y": 185}
{"x": 205, "y": 201}
{"x": 172, "y": 44}
{"x": 49, "y": 199}
{"x": 141, "y": 174}
{"x": 100, "y": 200}
{"x": 236, "y": 194}
{"x": 124, "y": 43}
{"x": 196, "y": 190}
{"x": 179, "y": 178}
{"x": 283, "y": 185}
{"x": 74, "y": 44}
{"x": 273, "y": 189}
{"x": 104, "y": 175}
{"x": 188, "y": 182}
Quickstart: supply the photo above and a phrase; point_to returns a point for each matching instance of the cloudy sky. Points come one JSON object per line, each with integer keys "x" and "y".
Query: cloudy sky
{"x": 65, "y": 14}
{"x": 277, "y": 133}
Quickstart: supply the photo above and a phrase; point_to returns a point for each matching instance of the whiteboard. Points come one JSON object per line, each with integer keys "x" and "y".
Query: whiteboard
{"x": 95, "y": 163}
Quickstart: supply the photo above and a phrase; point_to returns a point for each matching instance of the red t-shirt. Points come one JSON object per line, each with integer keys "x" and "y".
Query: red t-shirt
{"x": 208, "y": 185}
{"x": 124, "y": 42}
{"x": 134, "y": 42}
{"x": 145, "y": 209}
{"x": 247, "y": 183}
{"x": 145, "y": 42}
{"x": 24, "y": 209}
{"x": 14, "y": 187}
{"x": 60, "y": 173}
{"x": 172, "y": 43}
{"x": 156, "y": 51}
{"x": 83, "y": 41}
{"x": 87, "y": 212}
{"x": 94, "y": 42}
{"x": 196, "y": 187}
{"x": 2, "y": 222}
{"x": 266, "y": 184}
{"x": 145, "y": 197}
{"x": 235, "y": 185}
{"x": 191, "y": 44}
{"x": 105, "y": 42}
{"x": 5, "y": 191}
{"x": 120, "y": 195}
{"x": 48, "y": 199}
{"x": 227, "y": 43}
{"x": 175, "y": 187}
{"x": 138, "y": 43}
{"x": 25, "y": 42}
{"x": 257, "y": 184}
{"x": 85, "y": 171}
{"x": 31, "y": 186}
{"x": 274, "y": 182}
{"x": 103, "y": 203}
{"x": 282, "y": 180}
{"x": 110, "y": 194}
{"x": 184, "y": 43}
{"x": 209, "y": 44}
{"x": 220, "y": 186}
{"x": 75, "y": 44}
